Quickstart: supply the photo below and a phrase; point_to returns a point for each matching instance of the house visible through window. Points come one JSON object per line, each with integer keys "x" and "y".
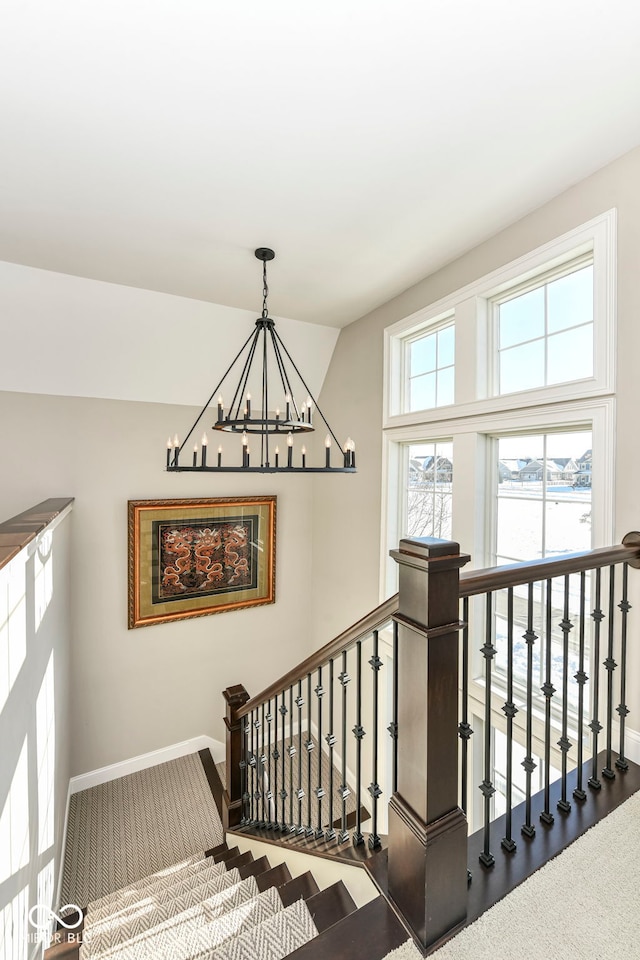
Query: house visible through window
{"x": 428, "y": 490}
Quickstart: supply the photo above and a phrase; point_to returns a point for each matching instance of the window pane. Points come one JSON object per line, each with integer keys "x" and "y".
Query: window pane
{"x": 519, "y": 534}
{"x": 423, "y": 392}
{"x": 430, "y": 477}
{"x": 423, "y": 355}
{"x": 522, "y": 368}
{"x": 568, "y": 526}
{"x": 522, "y": 318}
{"x": 446, "y": 343}
{"x": 570, "y": 300}
{"x": 570, "y": 355}
{"x": 445, "y": 386}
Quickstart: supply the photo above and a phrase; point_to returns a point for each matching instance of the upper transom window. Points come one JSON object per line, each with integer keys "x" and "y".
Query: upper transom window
{"x": 430, "y": 369}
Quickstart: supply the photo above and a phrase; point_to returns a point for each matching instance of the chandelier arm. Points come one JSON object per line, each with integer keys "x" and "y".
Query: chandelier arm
{"x": 286, "y": 385}
{"x": 244, "y": 376}
{"x": 302, "y": 380}
{"x": 213, "y": 393}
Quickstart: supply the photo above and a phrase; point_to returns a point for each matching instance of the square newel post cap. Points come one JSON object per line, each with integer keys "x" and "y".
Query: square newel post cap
{"x": 423, "y": 552}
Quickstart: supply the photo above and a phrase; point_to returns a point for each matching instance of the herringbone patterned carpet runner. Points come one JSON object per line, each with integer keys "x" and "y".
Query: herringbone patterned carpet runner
{"x": 127, "y": 829}
{"x": 189, "y": 914}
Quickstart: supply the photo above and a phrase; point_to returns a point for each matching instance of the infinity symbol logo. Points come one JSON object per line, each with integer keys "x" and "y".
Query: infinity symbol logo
{"x": 44, "y": 924}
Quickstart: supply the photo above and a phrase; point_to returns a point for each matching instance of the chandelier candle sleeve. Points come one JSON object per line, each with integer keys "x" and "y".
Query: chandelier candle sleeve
{"x": 327, "y": 455}
{"x": 219, "y": 456}
{"x": 304, "y": 456}
{"x": 195, "y": 454}
{"x": 205, "y": 443}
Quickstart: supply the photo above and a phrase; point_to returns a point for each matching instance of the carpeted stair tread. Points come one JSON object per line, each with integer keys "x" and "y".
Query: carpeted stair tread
{"x": 367, "y": 934}
{"x": 190, "y": 937}
{"x": 116, "y": 930}
{"x": 273, "y": 939}
{"x": 214, "y": 877}
{"x": 133, "y": 826}
{"x": 330, "y": 905}
{"x": 149, "y": 885}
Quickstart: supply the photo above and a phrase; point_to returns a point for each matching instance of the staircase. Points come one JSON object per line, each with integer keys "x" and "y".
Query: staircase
{"x": 227, "y": 905}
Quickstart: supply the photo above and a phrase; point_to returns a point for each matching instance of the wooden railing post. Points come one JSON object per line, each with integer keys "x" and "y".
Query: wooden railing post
{"x": 235, "y": 698}
{"x": 427, "y": 829}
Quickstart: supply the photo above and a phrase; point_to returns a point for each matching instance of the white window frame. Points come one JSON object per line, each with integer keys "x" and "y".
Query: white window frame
{"x": 431, "y": 330}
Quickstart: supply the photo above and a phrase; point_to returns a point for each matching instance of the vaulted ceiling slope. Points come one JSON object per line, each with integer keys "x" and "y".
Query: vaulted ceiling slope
{"x": 154, "y": 143}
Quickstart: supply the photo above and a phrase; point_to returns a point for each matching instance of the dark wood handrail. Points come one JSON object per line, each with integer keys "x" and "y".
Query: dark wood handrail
{"x": 372, "y": 621}
{"x": 472, "y": 582}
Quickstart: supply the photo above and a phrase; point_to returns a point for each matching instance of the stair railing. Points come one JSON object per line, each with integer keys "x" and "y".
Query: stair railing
{"x": 437, "y": 615}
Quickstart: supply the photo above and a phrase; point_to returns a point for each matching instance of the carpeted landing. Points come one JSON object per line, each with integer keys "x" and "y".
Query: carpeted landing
{"x": 196, "y": 909}
{"x": 584, "y": 905}
{"x": 126, "y": 829}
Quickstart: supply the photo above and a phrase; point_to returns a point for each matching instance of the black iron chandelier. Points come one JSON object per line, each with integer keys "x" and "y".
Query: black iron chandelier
{"x": 276, "y": 422}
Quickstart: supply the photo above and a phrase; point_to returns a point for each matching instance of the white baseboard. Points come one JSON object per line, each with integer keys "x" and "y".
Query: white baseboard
{"x": 103, "y": 774}
{"x": 632, "y": 744}
{"x": 63, "y": 847}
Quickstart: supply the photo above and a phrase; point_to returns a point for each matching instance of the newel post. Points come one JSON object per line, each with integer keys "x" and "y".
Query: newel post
{"x": 235, "y": 698}
{"x": 427, "y": 829}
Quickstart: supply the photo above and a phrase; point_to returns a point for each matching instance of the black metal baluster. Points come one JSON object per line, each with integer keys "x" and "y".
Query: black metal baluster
{"x": 319, "y": 691}
{"x": 272, "y": 781}
{"x": 595, "y": 726}
{"x": 393, "y": 726}
{"x": 486, "y": 787}
{"x": 509, "y": 709}
{"x": 330, "y": 833}
{"x": 548, "y": 690}
{"x": 581, "y": 678}
{"x": 292, "y": 753}
{"x": 359, "y": 733}
{"x": 464, "y": 728}
{"x": 344, "y": 679}
{"x": 244, "y": 769}
{"x": 622, "y": 709}
{"x": 564, "y": 743}
{"x": 261, "y": 768}
{"x": 309, "y": 832}
{"x": 610, "y": 666}
{"x": 255, "y": 796}
{"x": 283, "y": 790}
{"x": 530, "y": 637}
{"x": 300, "y": 791}
{"x": 374, "y": 787}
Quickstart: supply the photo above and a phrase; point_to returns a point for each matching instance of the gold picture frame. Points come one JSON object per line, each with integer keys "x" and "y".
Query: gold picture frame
{"x": 192, "y": 558}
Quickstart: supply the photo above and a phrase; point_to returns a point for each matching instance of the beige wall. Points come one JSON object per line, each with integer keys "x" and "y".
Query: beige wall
{"x": 139, "y": 690}
{"x": 346, "y": 528}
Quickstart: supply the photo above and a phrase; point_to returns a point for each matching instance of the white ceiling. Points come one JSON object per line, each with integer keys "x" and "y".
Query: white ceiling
{"x": 155, "y": 143}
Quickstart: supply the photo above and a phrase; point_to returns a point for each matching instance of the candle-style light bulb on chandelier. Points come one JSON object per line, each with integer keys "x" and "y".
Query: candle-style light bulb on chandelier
{"x": 274, "y": 417}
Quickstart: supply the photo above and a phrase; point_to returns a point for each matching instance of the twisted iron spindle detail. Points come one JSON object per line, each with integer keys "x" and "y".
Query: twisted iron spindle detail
{"x": 292, "y": 752}
{"x": 344, "y": 679}
{"x": 548, "y": 690}
{"x": 564, "y": 743}
{"x": 359, "y": 733}
{"x": 244, "y": 768}
{"x": 486, "y": 787}
{"x": 529, "y": 637}
{"x": 271, "y": 778}
{"x": 374, "y": 787}
{"x": 510, "y": 710}
{"x": 465, "y": 731}
{"x": 581, "y": 678}
{"x": 610, "y": 665}
{"x": 261, "y": 769}
{"x": 622, "y": 710}
{"x": 595, "y": 726}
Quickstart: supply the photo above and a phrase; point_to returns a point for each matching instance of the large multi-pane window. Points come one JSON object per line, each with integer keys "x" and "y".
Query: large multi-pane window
{"x": 545, "y": 333}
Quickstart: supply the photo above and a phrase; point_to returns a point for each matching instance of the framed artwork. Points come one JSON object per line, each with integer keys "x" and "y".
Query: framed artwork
{"x": 190, "y": 558}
